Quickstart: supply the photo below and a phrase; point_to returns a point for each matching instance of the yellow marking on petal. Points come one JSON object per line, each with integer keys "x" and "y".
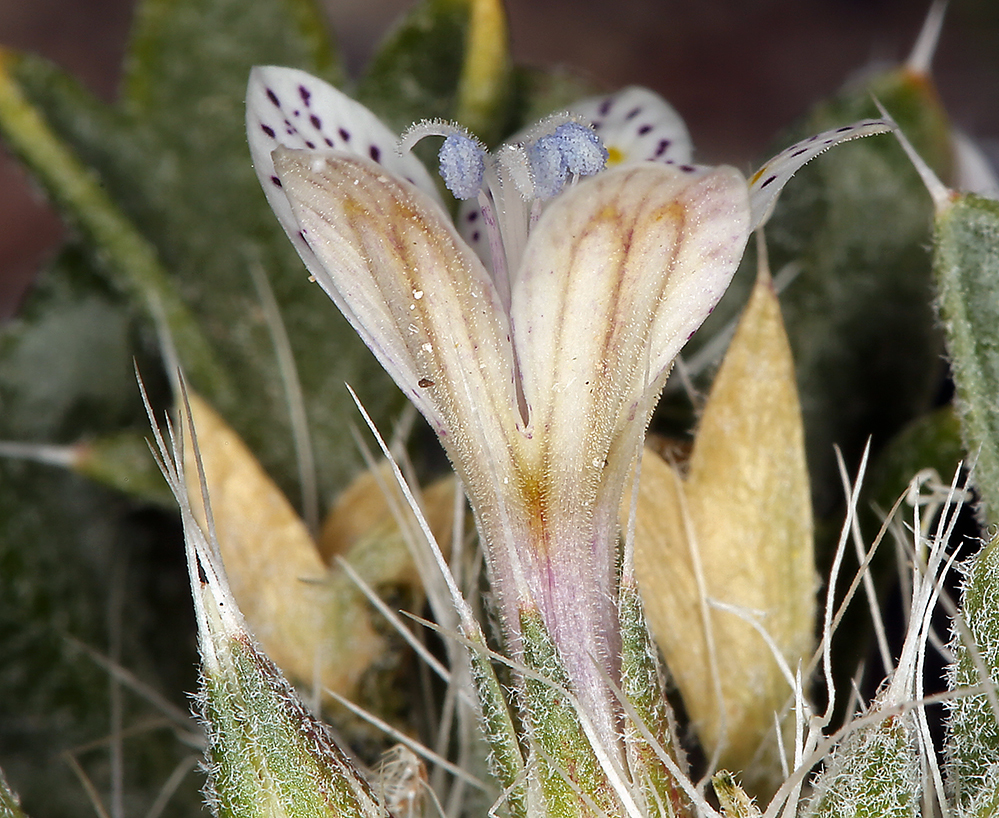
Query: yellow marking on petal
{"x": 758, "y": 174}
{"x": 614, "y": 156}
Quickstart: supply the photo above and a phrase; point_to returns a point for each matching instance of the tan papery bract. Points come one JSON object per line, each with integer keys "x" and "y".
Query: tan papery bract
{"x": 311, "y": 620}
{"x": 743, "y": 513}
{"x": 362, "y": 527}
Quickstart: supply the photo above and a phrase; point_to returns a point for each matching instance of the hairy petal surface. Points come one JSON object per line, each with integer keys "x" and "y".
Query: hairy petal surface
{"x": 617, "y": 274}
{"x": 417, "y": 296}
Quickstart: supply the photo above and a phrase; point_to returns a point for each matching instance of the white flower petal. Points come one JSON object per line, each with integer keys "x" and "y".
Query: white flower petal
{"x": 637, "y": 125}
{"x": 634, "y": 124}
{"x": 473, "y": 230}
{"x": 766, "y": 184}
{"x": 618, "y": 273}
{"x": 288, "y": 107}
{"x": 285, "y": 106}
{"x": 417, "y": 296}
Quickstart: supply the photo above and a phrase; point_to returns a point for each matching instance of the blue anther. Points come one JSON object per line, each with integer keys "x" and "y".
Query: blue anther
{"x": 582, "y": 151}
{"x": 462, "y": 163}
{"x": 548, "y": 168}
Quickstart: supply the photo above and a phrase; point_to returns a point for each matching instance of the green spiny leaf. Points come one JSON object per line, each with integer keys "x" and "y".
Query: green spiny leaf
{"x": 132, "y": 261}
{"x": 966, "y": 265}
{"x": 173, "y": 157}
{"x": 973, "y": 742}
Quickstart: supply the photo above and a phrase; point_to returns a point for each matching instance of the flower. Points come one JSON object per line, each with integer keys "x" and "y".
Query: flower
{"x": 537, "y": 347}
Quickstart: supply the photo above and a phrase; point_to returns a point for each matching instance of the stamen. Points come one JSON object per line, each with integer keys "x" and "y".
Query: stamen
{"x": 582, "y": 150}
{"x": 570, "y": 147}
{"x": 462, "y": 157}
{"x": 548, "y": 166}
{"x": 462, "y": 163}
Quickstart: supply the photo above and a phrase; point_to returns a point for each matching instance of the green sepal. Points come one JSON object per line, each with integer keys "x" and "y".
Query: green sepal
{"x": 559, "y": 744}
{"x": 966, "y": 266}
{"x": 732, "y": 799}
{"x": 874, "y": 773}
{"x": 505, "y": 759}
{"x": 641, "y": 684}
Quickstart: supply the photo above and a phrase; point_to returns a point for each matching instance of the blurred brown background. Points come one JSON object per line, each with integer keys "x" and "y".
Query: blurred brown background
{"x": 737, "y": 70}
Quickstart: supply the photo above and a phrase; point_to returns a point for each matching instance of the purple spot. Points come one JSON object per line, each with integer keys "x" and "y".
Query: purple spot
{"x": 276, "y": 181}
{"x": 605, "y": 106}
{"x": 273, "y": 98}
{"x": 304, "y": 93}
{"x": 633, "y": 113}
{"x": 644, "y": 130}
{"x": 800, "y": 151}
{"x": 473, "y": 216}
{"x": 844, "y": 129}
{"x": 310, "y": 145}
{"x": 296, "y": 113}
{"x": 344, "y": 135}
{"x": 661, "y": 147}
{"x": 813, "y": 137}
{"x": 687, "y": 168}
{"x": 476, "y": 236}
{"x": 828, "y": 141}
{"x": 328, "y": 141}
{"x": 267, "y": 129}
{"x": 767, "y": 182}
{"x": 315, "y": 122}
{"x": 408, "y": 179}
{"x": 375, "y": 152}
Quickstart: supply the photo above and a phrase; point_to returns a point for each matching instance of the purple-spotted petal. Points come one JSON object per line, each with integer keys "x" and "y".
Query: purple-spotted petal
{"x": 285, "y": 106}
{"x": 637, "y": 125}
{"x": 767, "y": 183}
{"x": 290, "y": 108}
{"x": 472, "y": 228}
